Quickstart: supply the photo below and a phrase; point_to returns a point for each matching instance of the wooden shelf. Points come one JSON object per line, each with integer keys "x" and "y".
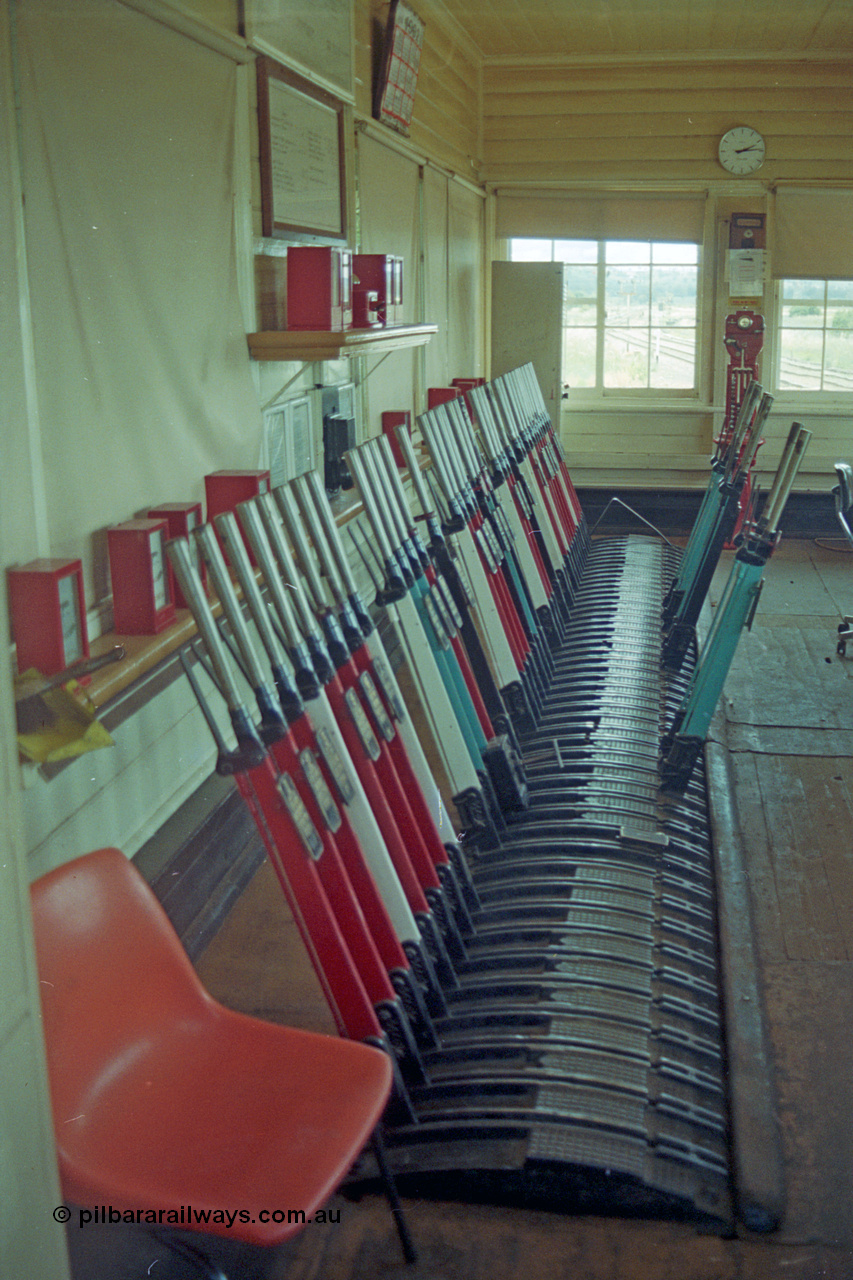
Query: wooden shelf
{"x": 301, "y": 344}
{"x": 143, "y": 653}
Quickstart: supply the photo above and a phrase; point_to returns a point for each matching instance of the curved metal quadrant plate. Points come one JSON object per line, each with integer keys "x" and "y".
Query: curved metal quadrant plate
{"x": 581, "y": 1063}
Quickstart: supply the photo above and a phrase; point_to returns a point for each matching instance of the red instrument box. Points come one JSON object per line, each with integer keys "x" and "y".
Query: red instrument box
{"x": 142, "y": 594}
{"x": 319, "y": 287}
{"x": 181, "y": 518}
{"x": 441, "y": 395}
{"x": 366, "y": 310}
{"x": 47, "y": 611}
{"x": 375, "y": 271}
{"x": 391, "y": 419}
{"x": 465, "y": 385}
{"x": 224, "y": 489}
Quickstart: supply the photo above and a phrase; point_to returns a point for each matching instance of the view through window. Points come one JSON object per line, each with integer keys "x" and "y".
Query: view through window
{"x": 815, "y": 347}
{"x": 629, "y": 311}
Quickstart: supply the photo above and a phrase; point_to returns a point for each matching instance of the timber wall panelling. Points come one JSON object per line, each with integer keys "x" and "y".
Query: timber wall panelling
{"x": 445, "y": 124}
{"x": 661, "y": 124}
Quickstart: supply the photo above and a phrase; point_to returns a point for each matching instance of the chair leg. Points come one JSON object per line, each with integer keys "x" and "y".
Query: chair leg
{"x": 392, "y": 1195}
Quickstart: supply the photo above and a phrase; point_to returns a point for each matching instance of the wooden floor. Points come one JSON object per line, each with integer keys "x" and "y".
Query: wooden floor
{"x": 788, "y": 722}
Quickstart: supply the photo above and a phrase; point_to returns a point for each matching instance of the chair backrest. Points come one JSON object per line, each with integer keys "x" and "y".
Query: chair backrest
{"x": 113, "y": 974}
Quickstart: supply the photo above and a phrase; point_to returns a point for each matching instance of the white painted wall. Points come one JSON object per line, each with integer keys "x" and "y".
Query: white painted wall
{"x": 31, "y": 1242}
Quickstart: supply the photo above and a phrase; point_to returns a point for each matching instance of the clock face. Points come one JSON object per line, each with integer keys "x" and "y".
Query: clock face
{"x": 741, "y": 150}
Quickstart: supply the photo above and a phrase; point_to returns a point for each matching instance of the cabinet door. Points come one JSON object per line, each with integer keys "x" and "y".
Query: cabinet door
{"x": 527, "y": 324}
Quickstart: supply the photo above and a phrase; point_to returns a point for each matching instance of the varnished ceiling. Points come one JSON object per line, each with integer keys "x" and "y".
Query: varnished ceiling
{"x": 644, "y": 29}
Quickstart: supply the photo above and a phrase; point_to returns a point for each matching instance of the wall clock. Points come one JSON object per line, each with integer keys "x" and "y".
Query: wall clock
{"x": 741, "y": 150}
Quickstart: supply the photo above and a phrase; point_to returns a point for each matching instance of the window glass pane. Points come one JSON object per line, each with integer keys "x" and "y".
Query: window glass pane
{"x": 579, "y": 357}
{"x": 674, "y": 295}
{"x": 580, "y": 282}
{"x": 580, "y": 312}
{"x": 646, "y": 333}
{"x": 800, "y": 289}
{"x": 627, "y": 251}
{"x": 802, "y": 315}
{"x": 816, "y": 336}
{"x": 576, "y": 251}
{"x": 800, "y": 359}
{"x": 626, "y": 358}
{"x": 673, "y": 359}
{"x": 838, "y": 374}
{"x": 839, "y": 317}
{"x": 530, "y": 250}
{"x": 626, "y": 295}
{"x": 675, "y": 253}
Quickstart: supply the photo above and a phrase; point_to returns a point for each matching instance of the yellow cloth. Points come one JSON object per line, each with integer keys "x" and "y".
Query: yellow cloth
{"x": 73, "y": 728}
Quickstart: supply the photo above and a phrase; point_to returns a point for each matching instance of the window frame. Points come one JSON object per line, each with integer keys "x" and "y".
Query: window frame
{"x": 647, "y": 396}
{"x": 815, "y": 399}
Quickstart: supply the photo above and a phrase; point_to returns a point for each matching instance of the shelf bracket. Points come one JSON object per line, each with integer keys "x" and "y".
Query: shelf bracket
{"x": 273, "y": 399}
{"x": 290, "y": 381}
{"x": 380, "y": 361}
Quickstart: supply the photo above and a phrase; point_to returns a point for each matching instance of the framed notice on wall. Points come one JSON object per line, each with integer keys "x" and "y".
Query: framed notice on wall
{"x": 315, "y": 37}
{"x": 301, "y": 133}
{"x": 394, "y": 99}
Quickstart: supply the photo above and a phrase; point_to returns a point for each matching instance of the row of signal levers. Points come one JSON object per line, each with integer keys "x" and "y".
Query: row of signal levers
{"x": 542, "y": 967}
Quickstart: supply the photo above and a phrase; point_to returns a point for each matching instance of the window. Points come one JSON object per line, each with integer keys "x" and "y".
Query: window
{"x": 629, "y": 312}
{"x": 814, "y": 351}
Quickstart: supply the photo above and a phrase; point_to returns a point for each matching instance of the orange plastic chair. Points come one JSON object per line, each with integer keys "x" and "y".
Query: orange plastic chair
{"x": 163, "y": 1098}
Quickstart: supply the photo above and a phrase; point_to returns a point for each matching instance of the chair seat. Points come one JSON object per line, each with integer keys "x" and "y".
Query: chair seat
{"x": 180, "y": 1125}
{"x": 165, "y": 1100}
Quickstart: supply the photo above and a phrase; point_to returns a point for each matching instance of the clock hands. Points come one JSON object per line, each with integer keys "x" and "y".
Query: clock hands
{"x": 741, "y": 150}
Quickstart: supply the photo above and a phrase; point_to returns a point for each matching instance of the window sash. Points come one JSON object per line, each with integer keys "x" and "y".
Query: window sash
{"x": 807, "y": 342}
{"x": 643, "y": 341}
